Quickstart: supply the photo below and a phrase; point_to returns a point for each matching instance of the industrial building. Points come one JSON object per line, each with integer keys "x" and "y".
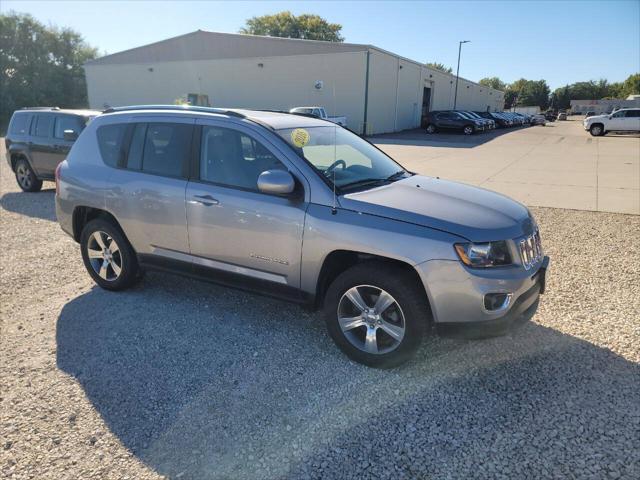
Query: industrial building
{"x": 376, "y": 90}
{"x": 604, "y": 106}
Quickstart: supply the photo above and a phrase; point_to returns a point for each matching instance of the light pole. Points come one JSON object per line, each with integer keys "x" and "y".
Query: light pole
{"x": 455, "y": 95}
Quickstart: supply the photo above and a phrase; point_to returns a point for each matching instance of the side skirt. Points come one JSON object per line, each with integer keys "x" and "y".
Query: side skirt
{"x": 227, "y": 279}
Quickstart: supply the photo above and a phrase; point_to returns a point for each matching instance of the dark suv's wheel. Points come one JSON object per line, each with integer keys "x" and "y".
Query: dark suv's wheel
{"x": 26, "y": 177}
{"x": 107, "y": 255}
{"x": 596, "y": 130}
{"x": 376, "y": 314}
{"x": 467, "y": 130}
{"x": 431, "y": 128}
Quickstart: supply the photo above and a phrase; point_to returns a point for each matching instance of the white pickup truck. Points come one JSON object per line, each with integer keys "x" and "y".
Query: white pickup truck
{"x": 624, "y": 120}
{"x": 320, "y": 113}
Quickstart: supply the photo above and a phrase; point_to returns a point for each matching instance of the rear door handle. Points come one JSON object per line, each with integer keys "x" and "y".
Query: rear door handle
{"x": 206, "y": 200}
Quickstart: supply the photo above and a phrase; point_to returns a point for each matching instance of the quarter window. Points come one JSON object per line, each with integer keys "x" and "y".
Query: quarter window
{"x": 20, "y": 124}
{"x": 43, "y": 125}
{"x": 234, "y": 159}
{"x": 633, "y": 113}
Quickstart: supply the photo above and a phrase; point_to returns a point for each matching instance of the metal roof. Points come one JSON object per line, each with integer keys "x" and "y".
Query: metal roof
{"x": 202, "y": 45}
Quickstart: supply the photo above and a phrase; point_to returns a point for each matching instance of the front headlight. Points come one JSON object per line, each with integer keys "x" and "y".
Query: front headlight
{"x": 481, "y": 255}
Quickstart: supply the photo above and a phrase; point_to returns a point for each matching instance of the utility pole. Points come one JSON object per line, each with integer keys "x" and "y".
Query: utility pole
{"x": 455, "y": 95}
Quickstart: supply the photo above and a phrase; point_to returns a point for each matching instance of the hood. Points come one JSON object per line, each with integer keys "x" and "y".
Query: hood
{"x": 605, "y": 115}
{"x": 474, "y": 213}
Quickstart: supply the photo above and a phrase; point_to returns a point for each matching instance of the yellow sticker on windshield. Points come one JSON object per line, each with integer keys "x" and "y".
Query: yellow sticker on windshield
{"x": 300, "y": 137}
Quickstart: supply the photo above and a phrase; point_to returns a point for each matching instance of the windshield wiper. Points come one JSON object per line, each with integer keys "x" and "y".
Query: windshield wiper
{"x": 372, "y": 181}
{"x": 396, "y": 175}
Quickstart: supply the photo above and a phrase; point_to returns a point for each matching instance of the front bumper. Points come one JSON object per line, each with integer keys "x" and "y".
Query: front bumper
{"x": 456, "y": 295}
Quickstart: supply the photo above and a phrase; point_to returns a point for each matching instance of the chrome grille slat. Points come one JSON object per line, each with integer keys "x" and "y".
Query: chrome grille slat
{"x": 530, "y": 250}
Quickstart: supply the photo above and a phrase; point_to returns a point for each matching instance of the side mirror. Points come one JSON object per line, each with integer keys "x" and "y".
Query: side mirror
{"x": 276, "y": 182}
{"x": 70, "y": 135}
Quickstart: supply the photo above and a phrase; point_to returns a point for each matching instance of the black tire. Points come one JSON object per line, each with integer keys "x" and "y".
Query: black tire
{"x": 124, "y": 258}
{"x": 403, "y": 286}
{"x": 467, "y": 130}
{"x": 597, "y": 130}
{"x": 431, "y": 129}
{"x": 26, "y": 177}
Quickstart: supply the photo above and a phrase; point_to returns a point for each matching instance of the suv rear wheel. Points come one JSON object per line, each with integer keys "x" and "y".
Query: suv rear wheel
{"x": 26, "y": 177}
{"x": 376, "y": 314}
{"x": 431, "y": 128}
{"x": 107, "y": 255}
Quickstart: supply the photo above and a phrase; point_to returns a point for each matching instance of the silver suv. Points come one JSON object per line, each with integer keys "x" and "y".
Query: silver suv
{"x": 302, "y": 209}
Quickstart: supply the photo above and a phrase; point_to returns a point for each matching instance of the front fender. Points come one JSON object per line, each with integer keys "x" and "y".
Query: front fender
{"x": 347, "y": 230}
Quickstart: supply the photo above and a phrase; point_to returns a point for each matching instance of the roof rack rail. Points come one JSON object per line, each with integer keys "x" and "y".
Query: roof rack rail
{"x": 40, "y": 108}
{"x": 300, "y": 114}
{"x": 187, "y": 108}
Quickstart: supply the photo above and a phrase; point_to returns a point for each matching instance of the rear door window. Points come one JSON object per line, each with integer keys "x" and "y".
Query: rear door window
{"x": 167, "y": 147}
{"x": 110, "y": 138}
{"x": 43, "y": 125}
{"x": 67, "y": 122}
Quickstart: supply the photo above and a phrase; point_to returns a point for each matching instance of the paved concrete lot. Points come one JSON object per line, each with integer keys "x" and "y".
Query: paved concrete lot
{"x": 559, "y": 165}
{"x": 185, "y": 380}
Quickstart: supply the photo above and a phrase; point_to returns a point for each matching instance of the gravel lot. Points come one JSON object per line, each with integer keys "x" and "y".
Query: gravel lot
{"x": 186, "y": 380}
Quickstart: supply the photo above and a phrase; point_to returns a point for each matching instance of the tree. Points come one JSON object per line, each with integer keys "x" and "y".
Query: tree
{"x": 631, "y": 86}
{"x": 493, "y": 82}
{"x": 40, "y": 65}
{"x": 440, "y": 66}
{"x": 534, "y": 94}
{"x": 287, "y": 25}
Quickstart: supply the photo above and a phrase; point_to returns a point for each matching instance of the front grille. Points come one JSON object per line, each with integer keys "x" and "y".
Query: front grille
{"x": 530, "y": 250}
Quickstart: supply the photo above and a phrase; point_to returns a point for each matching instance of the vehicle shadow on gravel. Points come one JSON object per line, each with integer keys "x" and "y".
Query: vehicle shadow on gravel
{"x": 199, "y": 381}
{"x": 37, "y": 205}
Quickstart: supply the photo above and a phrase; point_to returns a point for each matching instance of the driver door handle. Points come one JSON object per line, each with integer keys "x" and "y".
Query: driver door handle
{"x": 206, "y": 200}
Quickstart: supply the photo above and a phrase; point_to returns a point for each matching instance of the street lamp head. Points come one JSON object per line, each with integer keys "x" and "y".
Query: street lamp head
{"x": 465, "y": 41}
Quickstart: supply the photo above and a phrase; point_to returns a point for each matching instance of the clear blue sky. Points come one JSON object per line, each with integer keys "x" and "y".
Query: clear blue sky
{"x": 560, "y": 41}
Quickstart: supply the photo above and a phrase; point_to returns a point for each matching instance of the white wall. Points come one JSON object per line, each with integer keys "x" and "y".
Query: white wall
{"x": 281, "y": 83}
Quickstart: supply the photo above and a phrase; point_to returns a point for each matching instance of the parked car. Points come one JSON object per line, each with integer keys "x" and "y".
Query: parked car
{"x": 290, "y": 206}
{"x": 590, "y": 114}
{"x": 38, "y": 139}
{"x": 551, "y": 115}
{"x": 499, "y": 121}
{"x": 449, "y": 120}
{"x": 624, "y": 120}
{"x": 562, "y": 116}
{"x": 538, "y": 119}
{"x": 502, "y": 119}
{"x": 320, "y": 112}
{"x": 489, "y": 123}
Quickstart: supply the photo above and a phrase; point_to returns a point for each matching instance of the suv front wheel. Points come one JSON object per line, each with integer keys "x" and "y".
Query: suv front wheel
{"x": 26, "y": 177}
{"x": 597, "y": 130}
{"x": 107, "y": 255}
{"x": 376, "y": 314}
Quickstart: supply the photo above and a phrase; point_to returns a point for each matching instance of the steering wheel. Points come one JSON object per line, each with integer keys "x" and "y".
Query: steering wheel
{"x": 334, "y": 165}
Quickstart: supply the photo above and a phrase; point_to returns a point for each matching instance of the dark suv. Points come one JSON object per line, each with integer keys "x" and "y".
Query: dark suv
{"x": 38, "y": 139}
{"x": 453, "y": 121}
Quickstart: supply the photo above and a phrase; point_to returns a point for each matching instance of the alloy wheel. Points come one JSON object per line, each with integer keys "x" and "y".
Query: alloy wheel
{"x": 371, "y": 319}
{"x": 468, "y": 131}
{"x": 104, "y": 256}
{"x": 23, "y": 174}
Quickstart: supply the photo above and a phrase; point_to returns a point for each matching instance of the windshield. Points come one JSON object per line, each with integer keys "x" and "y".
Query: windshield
{"x": 342, "y": 157}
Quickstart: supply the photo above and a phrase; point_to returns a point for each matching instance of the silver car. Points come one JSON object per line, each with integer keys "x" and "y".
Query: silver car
{"x": 302, "y": 209}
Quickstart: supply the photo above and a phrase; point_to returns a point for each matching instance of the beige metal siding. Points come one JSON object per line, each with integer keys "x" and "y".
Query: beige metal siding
{"x": 281, "y": 83}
